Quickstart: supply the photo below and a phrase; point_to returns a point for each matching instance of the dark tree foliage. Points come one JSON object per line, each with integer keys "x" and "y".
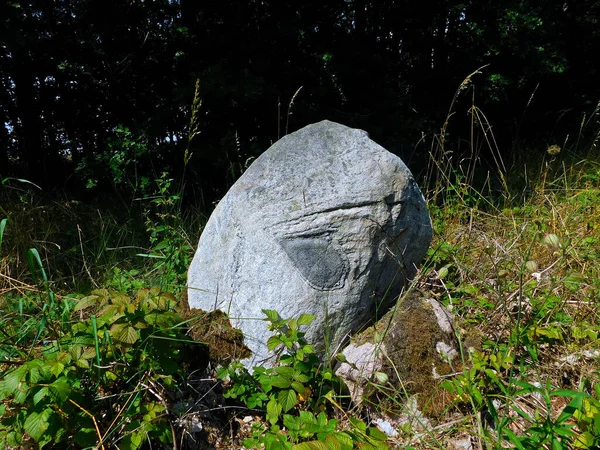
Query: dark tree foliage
{"x": 97, "y": 93}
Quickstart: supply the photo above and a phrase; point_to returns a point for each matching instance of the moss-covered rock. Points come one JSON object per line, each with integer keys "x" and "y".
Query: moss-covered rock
{"x": 224, "y": 342}
{"x": 413, "y": 345}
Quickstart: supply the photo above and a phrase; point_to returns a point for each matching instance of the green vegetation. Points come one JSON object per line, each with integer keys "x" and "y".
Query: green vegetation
{"x": 102, "y": 368}
{"x": 99, "y": 349}
{"x": 295, "y": 394}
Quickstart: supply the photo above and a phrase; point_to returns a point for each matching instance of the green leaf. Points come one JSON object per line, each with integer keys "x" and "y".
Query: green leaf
{"x": 287, "y": 372}
{"x": 272, "y": 315}
{"x": 273, "y": 342}
{"x": 2, "y": 226}
{"x": 358, "y": 424}
{"x": 37, "y": 423}
{"x": 86, "y": 437}
{"x": 273, "y": 411}
{"x": 287, "y": 399}
{"x": 308, "y": 349}
{"x": 281, "y": 382}
{"x": 132, "y": 441}
{"x": 39, "y": 395}
{"x": 56, "y": 368}
{"x": 21, "y": 180}
{"x": 82, "y": 363}
{"x": 302, "y": 378}
{"x": 305, "y": 319}
{"x": 33, "y": 256}
{"x": 86, "y": 302}
{"x": 312, "y": 445}
{"x": 124, "y": 333}
{"x": 377, "y": 434}
{"x": 36, "y": 374}
{"x": 298, "y": 387}
{"x": 344, "y": 439}
{"x": 574, "y": 405}
{"x": 60, "y": 390}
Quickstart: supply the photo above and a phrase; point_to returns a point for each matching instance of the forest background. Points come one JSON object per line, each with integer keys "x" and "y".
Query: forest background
{"x": 95, "y": 95}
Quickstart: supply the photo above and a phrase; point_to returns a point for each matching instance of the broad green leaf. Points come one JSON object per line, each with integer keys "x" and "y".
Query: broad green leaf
{"x": 21, "y": 395}
{"x": 333, "y": 443}
{"x": 82, "y": 363}
{"x": 273, "y": 411}
{"x": 132, "y": 441}
{"x": 377, "y": 434}
{"x": 308, "y": 349}
{"x": 89, "y": 353}
{"x": 584, "y": 440}
{"x": 124, "y": 333}
{"x": 305, "y": 319}
{"x": 86, "y": 437}
{"x": 302, "y": 378}
{"x": 287, "y": 372}
{"x": 60, "y": 390}
{"x": 56, "y": 368}
{"x": 312, "y": 445}
{"x": 272, "y": 315}
{"x": 292, "y": 423}
{"x": 281, "y": 382}
{"x": 37, "y": 423}
{"x": 86, "y": 302}
{"x": 344, "y": 439}
{"x": 298, "y": 387}
{"x": 573, "y": 405}
{"x": 287, "y": 399}
{"x": 322, "y": 419}
{"x": 358, "y": 424}
{"x": 39, "y": 395}
{"x": 35, "y": 374}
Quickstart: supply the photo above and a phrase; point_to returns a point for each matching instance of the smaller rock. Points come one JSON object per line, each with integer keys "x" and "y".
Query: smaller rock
{"x": 447, "y": 352}
{"x": 386, "y": 427}
{"x": 460, "y": 444}
{"x": 410, "y": 348}
{"x": 361, "y": 363}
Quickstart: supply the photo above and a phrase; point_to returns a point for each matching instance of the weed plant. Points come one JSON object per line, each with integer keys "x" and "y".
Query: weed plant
{"x": 297, "y": 394}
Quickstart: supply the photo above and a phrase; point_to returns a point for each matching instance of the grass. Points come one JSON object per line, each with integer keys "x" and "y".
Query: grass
{"x": 526, "y": 277}
{"x": 514, "y": 258}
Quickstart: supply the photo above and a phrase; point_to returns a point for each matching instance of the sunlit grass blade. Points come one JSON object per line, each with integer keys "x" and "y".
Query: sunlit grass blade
{"x": 3, "y": 223}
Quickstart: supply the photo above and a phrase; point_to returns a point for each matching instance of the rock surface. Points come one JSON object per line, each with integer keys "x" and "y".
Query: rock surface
{"x": 325, "y": 222}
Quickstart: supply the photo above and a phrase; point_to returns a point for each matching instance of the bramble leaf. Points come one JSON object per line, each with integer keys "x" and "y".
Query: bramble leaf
{"x": 305, "y": 319}
{"x": 60, "y": 390}
{"x": 39, "y": 395}
{"x": 124, "y": 333}
{"x": 287, "y": 399}
{"x": 273, "y": 411}
{"x": 37, "y": 423}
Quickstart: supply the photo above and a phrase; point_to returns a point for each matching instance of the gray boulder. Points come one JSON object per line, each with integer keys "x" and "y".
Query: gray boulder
{"x": 325, "y": 222}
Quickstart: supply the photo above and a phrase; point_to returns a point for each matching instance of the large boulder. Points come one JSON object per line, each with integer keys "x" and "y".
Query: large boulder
{"x": 325, "y": 222}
